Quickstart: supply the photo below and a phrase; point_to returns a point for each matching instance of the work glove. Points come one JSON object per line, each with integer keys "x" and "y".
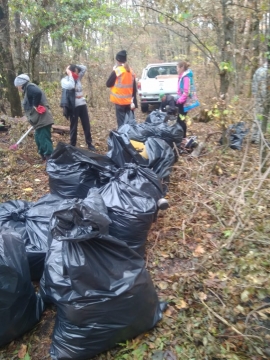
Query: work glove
{"x": 40, "y": 109}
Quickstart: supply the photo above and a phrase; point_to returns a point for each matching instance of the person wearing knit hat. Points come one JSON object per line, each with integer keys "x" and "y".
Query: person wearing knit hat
{"x": 121, "y": 56}
{"x": 22, "y": 79}
{"x": 167, "y": 104}
{"x": 38, "y": 113}
{"x": 161, "y": 95}
{"x": 123, "y": 89}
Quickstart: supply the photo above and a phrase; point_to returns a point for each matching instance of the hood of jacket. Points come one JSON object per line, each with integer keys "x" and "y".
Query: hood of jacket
{"x": 188, "y": 73}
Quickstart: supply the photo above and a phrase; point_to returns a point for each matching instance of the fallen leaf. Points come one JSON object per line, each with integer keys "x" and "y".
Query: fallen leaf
{"x": 158, "y": 355}
{"x": 181, "y": 304}
{"x": 168, "y": 355}
{"x": 175, "y": 286}
{"x": 37, "y": 180}
{"x": 198, "y": 251}
{"x": 164, "y": 255}
{"x": 202, "y": 296}
{"x": 211, "y": 275}
{"x": 245, "y": 296}
{"x": 170, "y": 311}
{"x": 162, "y": 285}
{"x": 22, "y": 351}
{"x": 28, "y": 189}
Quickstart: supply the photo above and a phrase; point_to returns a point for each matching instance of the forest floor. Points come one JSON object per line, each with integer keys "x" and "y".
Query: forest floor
{"x": 208, "y": 254}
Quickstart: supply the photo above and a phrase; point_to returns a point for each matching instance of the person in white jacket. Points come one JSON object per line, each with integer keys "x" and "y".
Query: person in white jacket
{"x": 259, "y": 91}
{"x": 70, "y": 82}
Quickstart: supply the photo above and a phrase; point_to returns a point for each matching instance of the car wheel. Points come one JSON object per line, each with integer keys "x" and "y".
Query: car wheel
{"x": 144, "y": 108}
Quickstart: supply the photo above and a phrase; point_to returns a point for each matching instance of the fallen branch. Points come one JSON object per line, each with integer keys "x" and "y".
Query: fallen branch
{"x": 253, "y": 311}
{"x": 228, "y": 324}
{"x": 214, "y": 213}
{"x": 217, "y": 297}
{"x": 176, "y": 149}
{"x": 61, "y": 129}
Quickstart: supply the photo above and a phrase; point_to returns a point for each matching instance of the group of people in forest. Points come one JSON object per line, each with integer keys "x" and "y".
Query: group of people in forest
{"x": 122, "y": 84}
{"x": 123, "y": 89}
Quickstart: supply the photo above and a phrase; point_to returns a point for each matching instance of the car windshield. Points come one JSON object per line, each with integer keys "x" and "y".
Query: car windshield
{"x": 161, "y": 70}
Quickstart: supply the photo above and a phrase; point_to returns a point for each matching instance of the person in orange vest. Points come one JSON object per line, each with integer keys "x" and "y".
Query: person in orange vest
{"x": 123, "y": 87}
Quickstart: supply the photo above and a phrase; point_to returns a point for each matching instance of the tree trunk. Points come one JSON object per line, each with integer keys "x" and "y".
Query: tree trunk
{"x": 58, "y": 46}
{"x": 256, "y": 43}
{"x": 33, "y": 57}
{"x": 228, "y": 26}
{"x": 17, "y": 43}
{"x": 224, "y": 82}
{"x": 6, "y": 60}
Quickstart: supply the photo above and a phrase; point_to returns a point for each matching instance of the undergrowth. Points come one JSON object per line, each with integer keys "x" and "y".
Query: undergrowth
{"x": 208, "y": 254}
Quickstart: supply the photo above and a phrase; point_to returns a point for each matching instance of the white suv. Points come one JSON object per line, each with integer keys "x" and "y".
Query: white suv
{"x": 156, "y": 79}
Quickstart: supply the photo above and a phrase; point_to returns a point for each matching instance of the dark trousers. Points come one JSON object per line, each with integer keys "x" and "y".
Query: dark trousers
{"x": 121, "y": 111}
{"x": 82, "y": 113}
{"x": 181, "y": 121}
{"x": 44, "y": 141}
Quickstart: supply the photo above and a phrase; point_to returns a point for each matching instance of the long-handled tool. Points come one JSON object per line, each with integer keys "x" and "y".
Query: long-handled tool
{"x": 15, "y": 146}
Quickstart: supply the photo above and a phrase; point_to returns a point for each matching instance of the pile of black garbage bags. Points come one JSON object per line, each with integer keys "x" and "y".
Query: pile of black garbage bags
{"x": 85, "y": 243}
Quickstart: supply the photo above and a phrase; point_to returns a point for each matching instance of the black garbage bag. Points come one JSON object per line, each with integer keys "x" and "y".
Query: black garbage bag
{"x": 100, "y": 286}
{"x": 138, "y": 132}
{"x": 72, "y": 171}
{"x": 171, "y": 133}
{"x": 20, "y": 307}
{"x": 131, "y": 211}
{"x": 31, "y": 221}
{"x": 156, "y": 117}
{"x": 121, "y": 151}
{"x": 13, "y": 211}
{"x": 143, "y": 179}
{"x": 161, "y": 157}
{"x": 236, "y": 134}
{"x": 37, "y": 228}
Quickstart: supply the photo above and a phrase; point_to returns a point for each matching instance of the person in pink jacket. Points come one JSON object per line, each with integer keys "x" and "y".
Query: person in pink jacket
{"x": 184, "y": 80}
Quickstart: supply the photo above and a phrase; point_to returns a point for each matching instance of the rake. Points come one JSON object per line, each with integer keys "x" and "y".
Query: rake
{"x": 15, "y": 146}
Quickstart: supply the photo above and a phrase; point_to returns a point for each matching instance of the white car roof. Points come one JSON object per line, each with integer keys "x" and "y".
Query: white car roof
{"x": 162, "y": 64}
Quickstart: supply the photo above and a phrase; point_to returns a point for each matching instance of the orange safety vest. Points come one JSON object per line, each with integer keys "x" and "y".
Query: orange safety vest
{"x": 121, "y": 92}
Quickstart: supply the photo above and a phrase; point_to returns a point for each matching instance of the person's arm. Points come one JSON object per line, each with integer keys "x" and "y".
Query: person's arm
{"x": 134, "y": 94}
{"x": 183, "y": 98}
{"x": 34, "y": 95}
{"x": 68, "y": 83}
{"x": 83, "y": 69}
{"x": 111, "y": 80}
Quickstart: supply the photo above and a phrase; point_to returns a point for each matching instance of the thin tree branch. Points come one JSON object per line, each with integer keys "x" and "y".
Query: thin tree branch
{"x": 185, "y": 27}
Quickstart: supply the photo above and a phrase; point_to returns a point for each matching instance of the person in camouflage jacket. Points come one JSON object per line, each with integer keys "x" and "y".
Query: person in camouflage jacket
{"x": 258, "y": 89}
